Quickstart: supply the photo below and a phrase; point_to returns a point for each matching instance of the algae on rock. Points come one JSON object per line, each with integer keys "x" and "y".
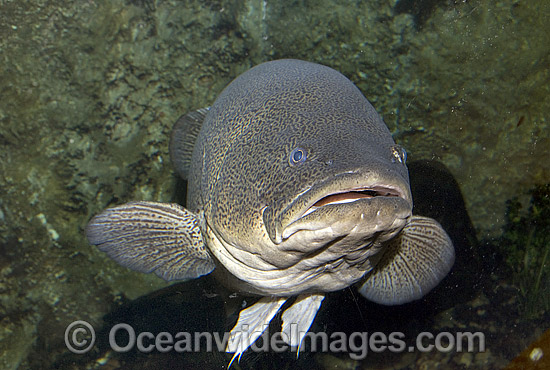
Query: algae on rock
{"x": 525, "y": 245}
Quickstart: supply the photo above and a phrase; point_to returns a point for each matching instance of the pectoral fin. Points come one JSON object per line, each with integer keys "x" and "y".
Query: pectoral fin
{"x": 152, "y": 237}
{"x": 411, "y": 265}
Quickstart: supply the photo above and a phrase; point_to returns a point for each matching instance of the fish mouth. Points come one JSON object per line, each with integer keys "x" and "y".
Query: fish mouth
{"x": 353, "y": 199}
{"x": 352, "y": 195}
{"x": 352, "y": 189}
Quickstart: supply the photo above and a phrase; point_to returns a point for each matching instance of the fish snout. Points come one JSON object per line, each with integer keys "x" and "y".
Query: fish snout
{"x": 358, "y": 222}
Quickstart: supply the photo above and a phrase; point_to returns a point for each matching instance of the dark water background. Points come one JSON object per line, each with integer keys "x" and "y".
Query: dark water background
{"x": 89, "y": 91}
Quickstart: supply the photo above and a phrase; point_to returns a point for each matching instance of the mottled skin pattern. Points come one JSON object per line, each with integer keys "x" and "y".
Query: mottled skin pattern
{"x": 246, "y": 188}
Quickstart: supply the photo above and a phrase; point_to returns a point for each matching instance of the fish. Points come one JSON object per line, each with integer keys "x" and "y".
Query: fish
{"x": 295, "y": 188}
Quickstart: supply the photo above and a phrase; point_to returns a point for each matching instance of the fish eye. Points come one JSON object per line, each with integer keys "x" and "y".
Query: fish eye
{"x": 399, "y": 154}
{"x": 297, "y": 156}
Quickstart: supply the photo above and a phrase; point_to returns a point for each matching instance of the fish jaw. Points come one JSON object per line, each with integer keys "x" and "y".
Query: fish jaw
{"x": 326, "y": 237}
{"x": 360, "y": 222}
{"x": 343, "y": 211}
{"x": 319, "y": 256}
{"x": 348, "y": 187}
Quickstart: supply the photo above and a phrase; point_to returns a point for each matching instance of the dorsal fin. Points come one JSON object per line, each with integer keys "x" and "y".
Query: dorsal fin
{"x": 184, "y": 135}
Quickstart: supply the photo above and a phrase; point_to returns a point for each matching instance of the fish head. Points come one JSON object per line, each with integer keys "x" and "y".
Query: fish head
{"x": 343, "y": 186}
{"x": 339, "y": 199}
{"x": 310, "y": 180}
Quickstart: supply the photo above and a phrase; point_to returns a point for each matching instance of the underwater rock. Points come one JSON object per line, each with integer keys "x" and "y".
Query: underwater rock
{"x": 421, "y": 10}
{"x": 525, "y": 249}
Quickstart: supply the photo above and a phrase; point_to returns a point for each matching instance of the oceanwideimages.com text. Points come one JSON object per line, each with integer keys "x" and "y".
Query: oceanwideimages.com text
{"x": 80, "y": 338}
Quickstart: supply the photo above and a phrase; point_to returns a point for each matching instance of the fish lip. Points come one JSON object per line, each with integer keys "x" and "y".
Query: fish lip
{"x": 362, "y": 193}
{"x": 399, "y": 189}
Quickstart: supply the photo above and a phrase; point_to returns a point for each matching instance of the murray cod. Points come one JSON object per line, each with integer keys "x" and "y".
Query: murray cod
{"x": 295, "y": 188}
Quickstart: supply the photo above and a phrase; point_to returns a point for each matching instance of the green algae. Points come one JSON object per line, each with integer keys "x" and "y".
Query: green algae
{"x": 525, "y": 246}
